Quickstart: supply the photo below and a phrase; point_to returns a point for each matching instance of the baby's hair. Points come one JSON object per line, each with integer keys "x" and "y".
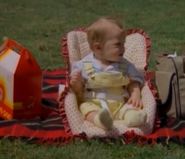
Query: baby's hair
{"x": 98, "y": 29}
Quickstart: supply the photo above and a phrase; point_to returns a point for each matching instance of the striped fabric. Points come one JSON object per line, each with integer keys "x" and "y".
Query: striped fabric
{"x": 49, "y": 127}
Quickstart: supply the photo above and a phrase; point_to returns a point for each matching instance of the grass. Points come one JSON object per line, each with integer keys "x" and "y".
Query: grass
{"x": 39, "y": 26}
{"x": 88, "y": 150}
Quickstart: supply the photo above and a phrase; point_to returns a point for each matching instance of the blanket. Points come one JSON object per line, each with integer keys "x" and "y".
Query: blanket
{"x": 49, "y": 127}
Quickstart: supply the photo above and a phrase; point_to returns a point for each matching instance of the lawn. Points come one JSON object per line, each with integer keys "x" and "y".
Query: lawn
{"x": 39, "y": 26}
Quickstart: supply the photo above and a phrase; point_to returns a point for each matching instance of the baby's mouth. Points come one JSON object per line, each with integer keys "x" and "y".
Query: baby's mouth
{"x": 121, "y": 54}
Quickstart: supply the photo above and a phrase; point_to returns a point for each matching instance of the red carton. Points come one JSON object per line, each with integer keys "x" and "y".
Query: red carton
{"x": 20, "y": 82}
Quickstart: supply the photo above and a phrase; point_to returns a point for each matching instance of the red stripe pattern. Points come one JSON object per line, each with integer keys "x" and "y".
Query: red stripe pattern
{"x": 49, "y": 127}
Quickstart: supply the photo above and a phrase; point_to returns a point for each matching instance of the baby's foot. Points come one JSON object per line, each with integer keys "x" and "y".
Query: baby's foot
{"x": 104, "y": 120}
{"x": 134, "y": 117}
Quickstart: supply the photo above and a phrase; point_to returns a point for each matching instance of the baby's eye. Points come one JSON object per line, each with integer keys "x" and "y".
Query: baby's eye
{"x": 118, "y": 44}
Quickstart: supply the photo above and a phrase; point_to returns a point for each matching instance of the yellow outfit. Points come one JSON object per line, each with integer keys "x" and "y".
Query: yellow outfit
{"x": 105, "y": 93}
{"x": 92, "y": 100}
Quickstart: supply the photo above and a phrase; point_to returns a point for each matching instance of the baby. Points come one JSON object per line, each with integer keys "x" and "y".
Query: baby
{"x": 107, "y": 84}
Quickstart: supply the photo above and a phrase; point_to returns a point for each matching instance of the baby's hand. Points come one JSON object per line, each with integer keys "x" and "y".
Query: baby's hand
{"x": 76, "y": 77}
{"x": 76, "y": 82}
{"x": 135, "y": 100}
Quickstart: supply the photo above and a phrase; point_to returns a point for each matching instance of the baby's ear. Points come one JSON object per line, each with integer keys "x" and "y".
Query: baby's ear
{"x": 96, "y": 47}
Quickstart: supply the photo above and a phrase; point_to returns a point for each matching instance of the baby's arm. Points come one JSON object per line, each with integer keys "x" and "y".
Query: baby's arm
{"x": 76, "y": 78}
{"x": 135, "y": 94}
{"x": 76, "y": 82}
{"x": 134, "y": 88}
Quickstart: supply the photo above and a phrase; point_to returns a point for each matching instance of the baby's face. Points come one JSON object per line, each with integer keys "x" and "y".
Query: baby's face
{"x": 113, "y": 48}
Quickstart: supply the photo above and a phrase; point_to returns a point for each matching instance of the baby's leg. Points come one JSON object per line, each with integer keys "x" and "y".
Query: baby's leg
{"x": 96, "y": 115}
{"x": 132, "y": 116}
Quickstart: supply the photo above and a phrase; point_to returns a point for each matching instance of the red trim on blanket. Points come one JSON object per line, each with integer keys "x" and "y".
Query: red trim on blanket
{"x": 49, "y": 137}
{"x": 64, "y": 93}
{"x": 148, "y": 43}
{"x": 148, "y": 46}
{"x": 65, "y": 53}
{"x": 160, "y": 133}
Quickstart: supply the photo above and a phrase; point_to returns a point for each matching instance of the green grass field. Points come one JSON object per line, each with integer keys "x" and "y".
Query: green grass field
{"x": 39, "y": 26}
